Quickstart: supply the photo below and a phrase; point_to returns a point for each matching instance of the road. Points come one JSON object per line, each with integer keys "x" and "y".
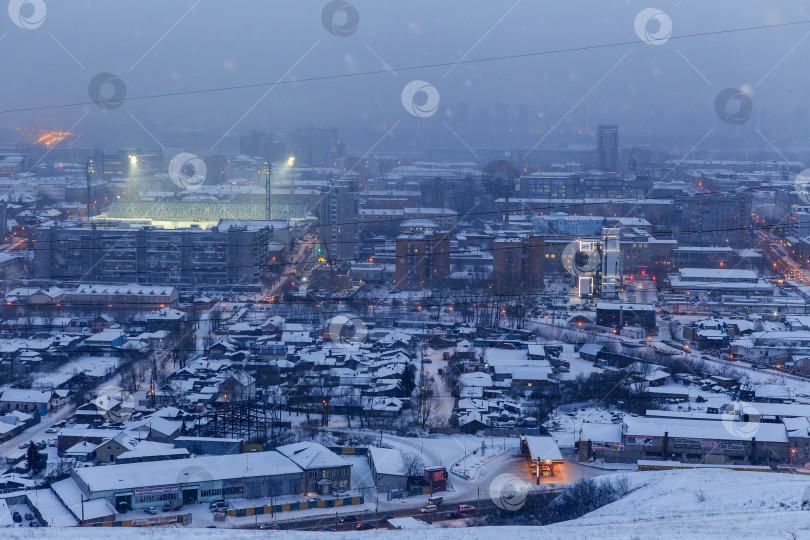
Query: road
{"x": 780, "y": 262}
{"x": 37, "y": 432}
{"x": 483, "y": 506}
{"x": 296, "y": 266}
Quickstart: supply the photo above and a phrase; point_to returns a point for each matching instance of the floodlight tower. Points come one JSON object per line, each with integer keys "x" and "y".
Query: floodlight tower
{"x": 89, "y": 174}
{"x": 268, "y": 170}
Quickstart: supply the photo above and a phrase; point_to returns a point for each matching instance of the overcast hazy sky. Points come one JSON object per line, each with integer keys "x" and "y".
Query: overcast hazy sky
{"x": 657, "y": 93}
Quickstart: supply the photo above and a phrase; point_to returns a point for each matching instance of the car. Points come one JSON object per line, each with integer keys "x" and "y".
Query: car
{"x": 22, "y": 445}
{"x": 16, "y": 517}
{"x": 435, "y": 500}
{"x": 53, "y": 442}
{"x": 34, "y": 524}
{"x": 429, "y": 509}
{"x": 445, "y": 355}
{"x": 341, "y": 494}
{"x": 454, "y": 515}
{"x": 41, "y": 445}
{"x": 28, "y": 516}
{"x": 151, "y": 510}
{"x": 466, "y": 509}
{"x": 214, "y": 503}
{"x": 167, "y": 507}
{"x": 348, "y": 519}
{"x": 51, "y": 430}
{"x": 365, "y": 526}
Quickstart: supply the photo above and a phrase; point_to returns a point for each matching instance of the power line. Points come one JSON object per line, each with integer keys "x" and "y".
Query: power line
{"x": 412, "y": 68}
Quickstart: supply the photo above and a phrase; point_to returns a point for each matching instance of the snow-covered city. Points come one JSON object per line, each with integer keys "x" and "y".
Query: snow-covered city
{"x": 456, "y": 269}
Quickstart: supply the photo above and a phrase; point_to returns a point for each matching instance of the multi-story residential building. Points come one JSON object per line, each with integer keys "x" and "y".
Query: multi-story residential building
{"x": 518, "y": 263}
{"x": 422, "y": 259}
{"x": 607, "y": 147}
{"x": 338, "y": 220}
{"x": 191, "y": 257}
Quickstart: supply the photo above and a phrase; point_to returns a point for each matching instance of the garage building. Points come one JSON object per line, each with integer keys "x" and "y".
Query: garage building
{"x": 190, "y": 481}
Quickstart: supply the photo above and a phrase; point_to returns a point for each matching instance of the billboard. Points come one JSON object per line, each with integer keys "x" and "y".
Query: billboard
{"x": 160, "y": 489}
{"x": 435, "y": 474}
{"x": 618, "y": 447}
{"x": 638, "y": 440}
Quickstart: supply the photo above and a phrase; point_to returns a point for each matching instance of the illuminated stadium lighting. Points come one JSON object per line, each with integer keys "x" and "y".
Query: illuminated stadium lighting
{"x": 133, "y": 160}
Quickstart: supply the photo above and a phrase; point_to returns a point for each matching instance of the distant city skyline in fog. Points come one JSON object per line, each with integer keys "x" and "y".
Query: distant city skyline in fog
{"x": 660, "y": 94}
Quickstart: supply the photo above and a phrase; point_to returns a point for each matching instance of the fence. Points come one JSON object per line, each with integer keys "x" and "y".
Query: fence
{"x": 183, "y": 519}
{"x": 288, "y": 507}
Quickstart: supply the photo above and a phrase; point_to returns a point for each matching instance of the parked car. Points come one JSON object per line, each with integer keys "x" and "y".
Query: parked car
{"x": 167, "y": 507}
{"x": 348, "y": 519}
{"x": 429, "y": 509}
{"x": 16, "y": 517}
{"x": 34, "y": 524}
{"x": 365, "y": 526}
{"x": 151, "y": 510}
{"x": 340, "y": 493}
{"x": 51, "y": 430}
{"x": 215, "y": 502}
{"x": 28, "y": 516}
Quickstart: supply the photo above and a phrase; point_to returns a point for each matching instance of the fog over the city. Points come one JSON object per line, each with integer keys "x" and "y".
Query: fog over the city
{"x": 661, "y": 94}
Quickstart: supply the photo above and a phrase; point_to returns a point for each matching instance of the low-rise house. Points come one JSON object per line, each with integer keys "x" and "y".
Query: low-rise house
{"x": 15, "y": 399}
{"x": 325, "y": 471}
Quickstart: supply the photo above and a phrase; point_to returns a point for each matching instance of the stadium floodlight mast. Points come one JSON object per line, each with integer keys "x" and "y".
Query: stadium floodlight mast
{"x": 268, "y": 170}
{"x": 89, "y": 174}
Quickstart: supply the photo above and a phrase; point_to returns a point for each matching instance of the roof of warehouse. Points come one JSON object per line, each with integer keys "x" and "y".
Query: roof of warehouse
{"x": 309, "y": 455}
{"x": 179, "y": 471}
{"x": 705, "y": 429}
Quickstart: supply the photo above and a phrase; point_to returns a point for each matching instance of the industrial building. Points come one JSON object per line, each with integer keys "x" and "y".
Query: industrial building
{"x": 198, "y": 480}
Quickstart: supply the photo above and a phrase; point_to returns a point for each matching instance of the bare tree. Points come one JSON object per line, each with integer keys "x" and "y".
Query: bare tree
{"x": 412, "y": 464}
{"x": 424, "y": 397}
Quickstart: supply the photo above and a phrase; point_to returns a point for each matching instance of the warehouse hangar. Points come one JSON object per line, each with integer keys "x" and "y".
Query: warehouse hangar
{"x": 198, "y": 480}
